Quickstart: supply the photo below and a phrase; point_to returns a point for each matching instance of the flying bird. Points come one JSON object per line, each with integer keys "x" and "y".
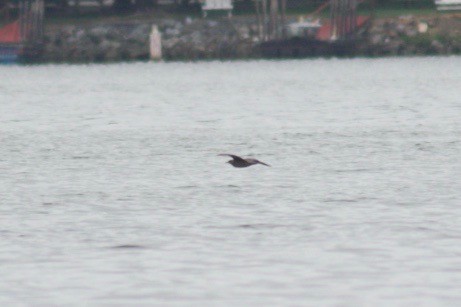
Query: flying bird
{"x": 242, "y": 162}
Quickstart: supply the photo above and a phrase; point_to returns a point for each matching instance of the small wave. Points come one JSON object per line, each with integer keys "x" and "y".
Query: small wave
{"x": 17, "y": 120}
{"x": 81, "y": 157}
{"x": 186, "y": 187}
{"x": 228, "y": 186}
{"x": 358, "y": 170}
{"x": 347, "y": 200}
{"x": 424, "y": 146}
{"x": 48, "y": 204}
{"x": 259, "y": 226}
{"x": 250, "y": 226}
{"x": 341, "y": 200}
{"x": 208, "y": 121}
{"x": 128, "y": 246}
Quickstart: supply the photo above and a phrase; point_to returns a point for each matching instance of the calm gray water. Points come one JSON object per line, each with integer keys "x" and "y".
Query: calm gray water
{"x": 112, "y": 192}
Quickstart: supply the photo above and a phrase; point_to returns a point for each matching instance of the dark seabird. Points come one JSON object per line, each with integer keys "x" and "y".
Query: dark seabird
{"x": 242, "y": 162}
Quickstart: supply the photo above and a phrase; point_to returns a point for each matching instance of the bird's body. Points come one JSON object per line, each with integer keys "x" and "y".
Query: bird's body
{"x": 242, "y": 162}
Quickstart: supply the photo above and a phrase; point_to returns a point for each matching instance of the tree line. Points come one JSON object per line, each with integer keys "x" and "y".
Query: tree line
{"x": 128, "y": 6}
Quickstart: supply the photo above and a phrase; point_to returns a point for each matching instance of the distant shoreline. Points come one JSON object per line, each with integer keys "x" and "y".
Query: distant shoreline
{"x": 186, "y": 38}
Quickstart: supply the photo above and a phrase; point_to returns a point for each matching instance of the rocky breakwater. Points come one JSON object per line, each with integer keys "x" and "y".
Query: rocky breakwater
{"x": 208, "y": 39}
{"x": 412, "y": 35}
{"x": 194, "y": 39}
{"x": 181, "y": 40}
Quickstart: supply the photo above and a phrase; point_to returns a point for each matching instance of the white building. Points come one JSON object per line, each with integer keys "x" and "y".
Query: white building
{"x": 445, "y": 5}
{"x": 217, "y": 5}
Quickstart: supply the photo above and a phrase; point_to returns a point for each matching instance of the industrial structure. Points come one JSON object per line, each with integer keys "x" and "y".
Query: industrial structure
{"x": 311, "y": 35}
{"x": 21, "y": 35}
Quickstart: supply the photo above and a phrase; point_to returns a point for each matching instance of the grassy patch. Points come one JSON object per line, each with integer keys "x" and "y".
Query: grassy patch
{"x": 383, "y": 13}
{"x": 239, "y": 10}
{"x": 420, "y": 40}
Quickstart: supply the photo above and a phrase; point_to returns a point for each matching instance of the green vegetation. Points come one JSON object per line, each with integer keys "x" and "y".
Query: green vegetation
{"x": 59, "y": 12}
{"x": 420, "y": 40}
{"x": 382, "y": 8}
{"x": 244, "y": 7}
{"x": 395, "y": 12}
{"x": 404, "y": 4}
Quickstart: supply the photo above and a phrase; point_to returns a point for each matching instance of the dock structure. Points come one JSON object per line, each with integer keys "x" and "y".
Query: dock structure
{"x": 31, "y": 13}
{"x": 344, "y": 22}
{"x": 271, "y": 16}
{"x": 314, "y": 36}
{"x": 343, "y": 18}
{"x": 22, "y": 38}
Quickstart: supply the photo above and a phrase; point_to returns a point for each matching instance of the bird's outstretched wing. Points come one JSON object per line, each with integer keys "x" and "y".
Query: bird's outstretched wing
{"x": 255, "y": 161}
{"x": 263, "y": 163}
{"x": 236, "y": 158}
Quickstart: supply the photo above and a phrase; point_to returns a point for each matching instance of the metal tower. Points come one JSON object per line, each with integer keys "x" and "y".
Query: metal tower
{"x": 343, "y": 18}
